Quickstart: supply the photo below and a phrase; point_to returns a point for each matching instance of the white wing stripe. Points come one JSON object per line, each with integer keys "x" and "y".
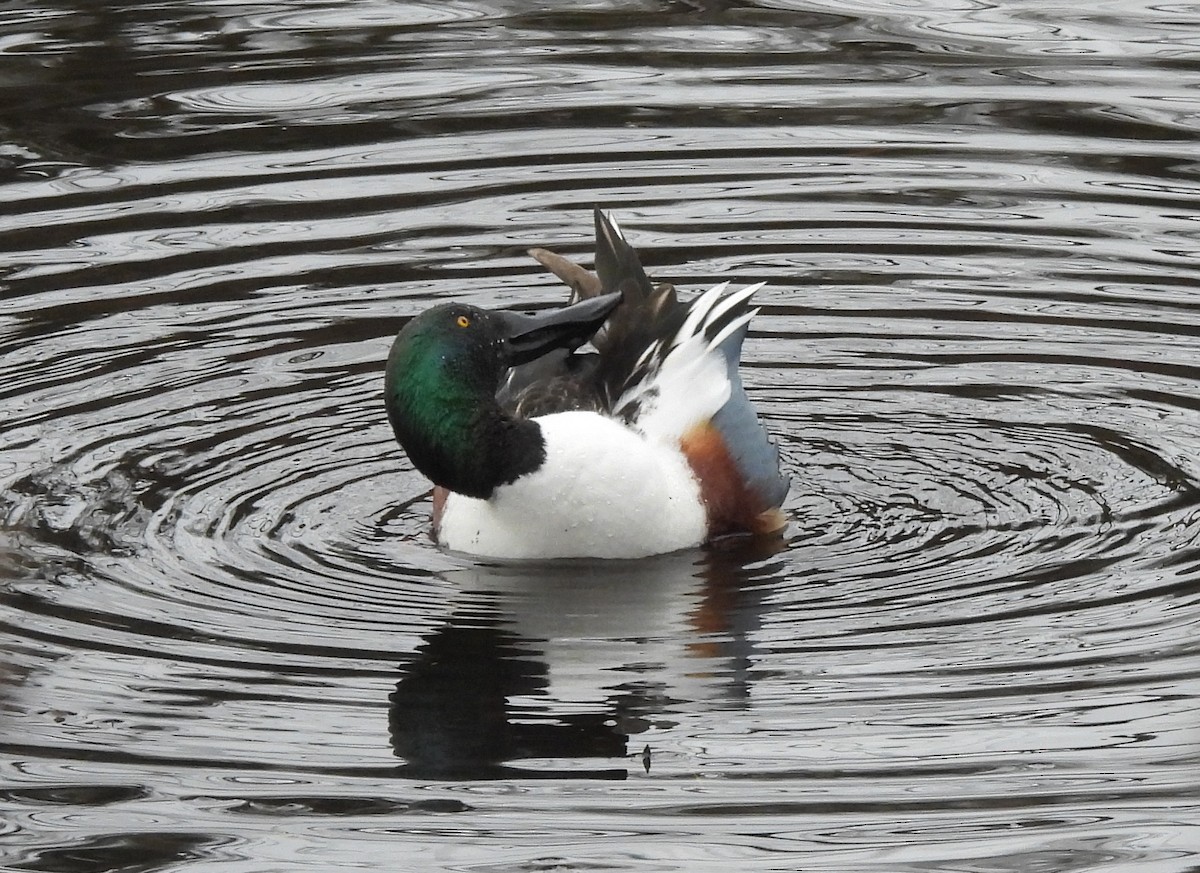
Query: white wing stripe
{"x": 735, "y": 299}
{"x": 731, "y": 328}
{"x": 686, "y": 379}
{"x": 698, "y": 313}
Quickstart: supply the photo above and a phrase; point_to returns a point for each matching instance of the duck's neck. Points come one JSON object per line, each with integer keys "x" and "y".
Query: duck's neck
{"x": 464, "y": 442}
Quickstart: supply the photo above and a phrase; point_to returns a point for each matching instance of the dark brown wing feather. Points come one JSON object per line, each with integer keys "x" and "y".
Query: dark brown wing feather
{"x": 557, "y": 382}
{"x": 647, "y": 313}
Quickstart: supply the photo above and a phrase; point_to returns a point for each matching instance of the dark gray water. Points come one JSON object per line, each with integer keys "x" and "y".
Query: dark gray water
{"x": 225, "y": 639}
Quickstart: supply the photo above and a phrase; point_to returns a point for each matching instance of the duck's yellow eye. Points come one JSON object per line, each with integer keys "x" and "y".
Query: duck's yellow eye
{"x": 462, "y": 321}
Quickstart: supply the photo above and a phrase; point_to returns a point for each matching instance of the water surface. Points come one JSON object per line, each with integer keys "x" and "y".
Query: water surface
{"x": 226, "y": 638}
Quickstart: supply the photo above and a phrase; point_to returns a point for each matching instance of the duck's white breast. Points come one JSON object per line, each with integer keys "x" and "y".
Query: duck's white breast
{"x": 603, "y": 492}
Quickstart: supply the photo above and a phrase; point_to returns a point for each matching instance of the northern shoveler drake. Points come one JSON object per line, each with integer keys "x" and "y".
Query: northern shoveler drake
{"x": 647, "y": 445}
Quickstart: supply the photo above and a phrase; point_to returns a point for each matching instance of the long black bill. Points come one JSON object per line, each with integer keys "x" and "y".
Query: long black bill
{"x": 528, "y": 337}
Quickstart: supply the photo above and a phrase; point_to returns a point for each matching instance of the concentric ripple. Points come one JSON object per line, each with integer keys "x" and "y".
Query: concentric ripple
{"x": 227, "y": 636}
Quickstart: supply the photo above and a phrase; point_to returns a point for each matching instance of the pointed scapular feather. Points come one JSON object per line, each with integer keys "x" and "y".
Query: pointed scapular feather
{"x": 738, "y": 325}
{"x": 731, "y": 302}
{"x": 698, "y": 312}
{"x": 688, "y": 378}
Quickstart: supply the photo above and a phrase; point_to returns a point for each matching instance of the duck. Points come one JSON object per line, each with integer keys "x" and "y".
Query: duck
{"x": 537, "y": 448}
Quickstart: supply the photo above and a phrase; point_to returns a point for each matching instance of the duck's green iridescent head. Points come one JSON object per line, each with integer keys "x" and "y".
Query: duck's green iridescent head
{"x": 441, "y": 380}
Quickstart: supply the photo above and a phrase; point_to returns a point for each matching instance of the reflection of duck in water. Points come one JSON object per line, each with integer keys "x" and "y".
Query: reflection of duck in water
{"x": 547, "y": 669}
{"x": 647, "y": 446}
{"x": 453, "y": 715}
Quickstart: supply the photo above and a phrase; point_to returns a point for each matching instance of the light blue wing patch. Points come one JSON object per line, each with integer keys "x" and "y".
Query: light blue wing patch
{"x": 756, "y": 456}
